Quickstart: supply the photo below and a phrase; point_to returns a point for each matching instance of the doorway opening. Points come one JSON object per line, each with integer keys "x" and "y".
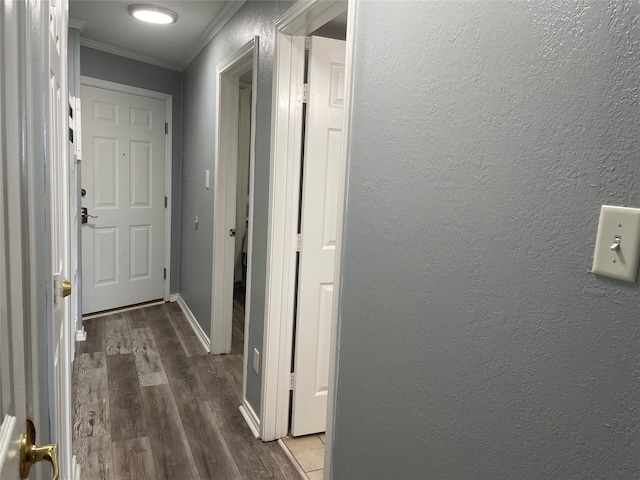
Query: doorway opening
{"x": 233, "y": 209}
{"x": 301, "y": 308}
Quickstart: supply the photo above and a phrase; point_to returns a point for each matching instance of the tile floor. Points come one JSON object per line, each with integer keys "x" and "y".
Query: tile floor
{"x": 308, "y": 451}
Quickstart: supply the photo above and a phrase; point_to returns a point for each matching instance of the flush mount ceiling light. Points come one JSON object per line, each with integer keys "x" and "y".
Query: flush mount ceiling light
{"x": 153, "y": 14}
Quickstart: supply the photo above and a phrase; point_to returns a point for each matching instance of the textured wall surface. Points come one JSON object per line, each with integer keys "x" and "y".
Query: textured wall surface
{"x": 113, "y": 68}
{"x": 200, "y": 84}
{"x": 475, "y": 342}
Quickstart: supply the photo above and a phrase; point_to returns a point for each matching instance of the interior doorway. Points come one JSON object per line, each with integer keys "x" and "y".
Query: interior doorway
{"x": 279, "y": 376}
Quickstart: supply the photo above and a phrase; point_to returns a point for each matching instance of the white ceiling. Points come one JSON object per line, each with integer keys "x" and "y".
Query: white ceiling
{"x": 109, "y": 27}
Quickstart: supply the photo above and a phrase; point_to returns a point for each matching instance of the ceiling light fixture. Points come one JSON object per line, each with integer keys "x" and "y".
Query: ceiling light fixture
{"x": 153, "y": 14}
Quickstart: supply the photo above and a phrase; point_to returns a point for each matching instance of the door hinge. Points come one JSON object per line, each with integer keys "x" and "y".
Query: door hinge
{"x": 292, "y": 381}
{"x": 305, "y": 93}
{"x": 166, "y": 128}
{"x": 298, "y": 242}
{"x": 166, "y": 200}
{"x": 165, "y": 273}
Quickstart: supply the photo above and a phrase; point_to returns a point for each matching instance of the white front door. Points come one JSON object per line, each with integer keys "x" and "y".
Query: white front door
{"x": 123, "y": 173}
{"x": 323, "y": 163}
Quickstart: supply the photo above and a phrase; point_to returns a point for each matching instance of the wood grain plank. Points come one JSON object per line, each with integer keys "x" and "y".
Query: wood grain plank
{"x": 94, "y": 457}
{"x": 251, "y": 456}
{"x": 95, "y": 341}
{"x": 117, "y": 339}
{"x": 255, "y": 462}
{"x": 288, "y": 470}
{"x": 185, "y": 384}
{"x": 145, "y": 317}
{"x": 148, "y": 362}
{"x": 125, "y": 401}
{"x": 137, "y": 318}
{"x": 171, "y": 452}
{"x": 186, "y": 335}
{"x": 91, "y": 396}
{"x": 233, "y": 372}
{"x": 210, "y": 452}
{"x": 133, "y": 460}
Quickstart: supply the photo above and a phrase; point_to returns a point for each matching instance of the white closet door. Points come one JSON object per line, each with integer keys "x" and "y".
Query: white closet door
{"x": 322, "y": 166}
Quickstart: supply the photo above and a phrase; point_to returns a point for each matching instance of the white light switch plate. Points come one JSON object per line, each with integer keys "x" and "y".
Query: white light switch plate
{"x": 622, "y": 262}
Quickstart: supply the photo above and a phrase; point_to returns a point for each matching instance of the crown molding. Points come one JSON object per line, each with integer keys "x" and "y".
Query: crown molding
{"x": 212, "y": 30}
{"x": 85, "y": 42}
{"x": 78, "y": 24}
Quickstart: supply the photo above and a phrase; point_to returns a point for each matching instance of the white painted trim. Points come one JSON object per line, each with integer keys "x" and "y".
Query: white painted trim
{"x": 252, "y": 183}
{"x": 121, "y": 52}
{"x": 305, "y": 17}
{"x": 211, "y": 31}
{"x": 334, "y": 353}
{"x": 78, "y": 24}
{"x": 286, "y": 134}
{"x": 76, "y": 469}
{"x": 227, "y": 104}
{"x": 6, "y": 435}
{"x": 197, "y": 329}
{"x": 294, "y": 460}
{"x": 168, "y": 163}
{"x": 174, "y": 297}
{"x": 301, "y": 19}
{"x": 251, "y": 418}
{"x": 120, "y": 310}
{"x": 81, "y": 335}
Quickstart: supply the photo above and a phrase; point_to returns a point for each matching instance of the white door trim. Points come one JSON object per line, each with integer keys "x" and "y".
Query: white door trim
{"x": 222, "y": 268}
{"x": 168, "y": 99}
{"x": 302, "y": 19}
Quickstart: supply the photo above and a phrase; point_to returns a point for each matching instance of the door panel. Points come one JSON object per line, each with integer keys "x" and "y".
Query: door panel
{"x": 322, "y": 165}
{"x": 123, "y": 175}
{"x": 35, "y": 359}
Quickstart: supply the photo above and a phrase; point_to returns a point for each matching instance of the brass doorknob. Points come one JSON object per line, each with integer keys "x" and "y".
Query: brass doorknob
{"x": 30, "y": 454}
{"x": 66, "y": 288}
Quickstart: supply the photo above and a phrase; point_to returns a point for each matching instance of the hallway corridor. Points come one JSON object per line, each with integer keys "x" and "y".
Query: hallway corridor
{"x": 149, "y": 403}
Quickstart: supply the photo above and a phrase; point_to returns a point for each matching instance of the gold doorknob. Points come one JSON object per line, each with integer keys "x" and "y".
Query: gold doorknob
{"x": 66, "y": 288}
{"x": 30, "y": 454}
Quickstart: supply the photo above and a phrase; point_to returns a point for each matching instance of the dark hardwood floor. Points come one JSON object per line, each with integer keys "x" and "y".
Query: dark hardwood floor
{"x": 149, "y": 403}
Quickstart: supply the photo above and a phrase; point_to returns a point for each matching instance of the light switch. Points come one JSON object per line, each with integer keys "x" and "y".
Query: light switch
{"x": 618, "y": 243}
{"x": 206, "y": 179}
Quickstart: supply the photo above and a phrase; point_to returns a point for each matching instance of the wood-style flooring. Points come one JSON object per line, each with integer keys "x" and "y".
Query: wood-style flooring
{"x": 149, "y": 403}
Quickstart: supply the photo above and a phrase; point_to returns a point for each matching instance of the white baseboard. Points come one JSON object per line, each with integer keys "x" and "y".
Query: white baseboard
{"x": 293, "y": 459}
{"x": 76, "y": 474}
{"x": 251, "y": 418}
{"x": 204, "y": 339}
{"x": 81, "y": 335}
{"x": 174, "y": 297}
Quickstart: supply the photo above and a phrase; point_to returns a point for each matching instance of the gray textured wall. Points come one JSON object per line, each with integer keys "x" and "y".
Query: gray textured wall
{"x": 200, "y": 84}
{"x": 105, "y": 66}
{"x": 475, "y": 343}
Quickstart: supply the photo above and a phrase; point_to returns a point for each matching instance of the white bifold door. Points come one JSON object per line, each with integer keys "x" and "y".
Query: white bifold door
{"x": 322, "y": 165}
{"x": 123, "y": 174}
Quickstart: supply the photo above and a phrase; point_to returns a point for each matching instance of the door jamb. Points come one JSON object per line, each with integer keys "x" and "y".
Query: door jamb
{"x": 168, "y": 99}
{"x": 227, "y": 109}
{"x": 302, "y": 19}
